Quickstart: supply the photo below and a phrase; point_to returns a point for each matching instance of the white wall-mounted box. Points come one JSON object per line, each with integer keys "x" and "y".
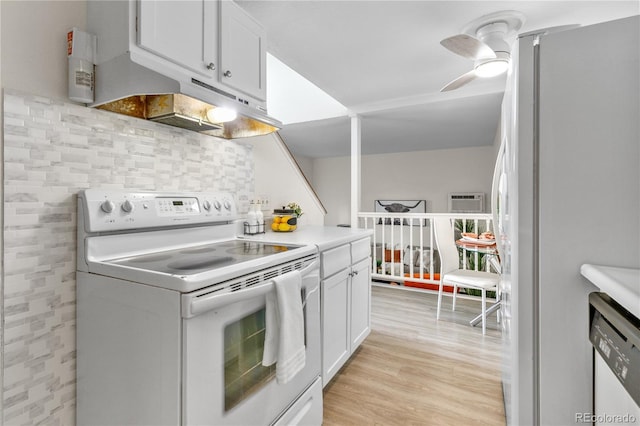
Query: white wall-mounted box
{"x": 466, "y": 202}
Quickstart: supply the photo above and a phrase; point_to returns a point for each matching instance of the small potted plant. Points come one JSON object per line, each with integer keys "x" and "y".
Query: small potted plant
{"x": 297, "y": 210}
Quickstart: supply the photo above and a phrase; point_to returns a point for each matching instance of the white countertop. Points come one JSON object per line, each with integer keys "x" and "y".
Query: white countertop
{"x": 325, "y": 237}
{"x": 621, "y": 284}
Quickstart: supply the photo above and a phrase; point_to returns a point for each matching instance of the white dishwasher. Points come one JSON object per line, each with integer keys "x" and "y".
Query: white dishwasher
{"x": 615, "y": 335}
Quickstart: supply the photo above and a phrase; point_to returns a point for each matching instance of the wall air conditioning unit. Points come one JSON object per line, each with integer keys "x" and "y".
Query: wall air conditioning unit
{"x": 466, "y": 202}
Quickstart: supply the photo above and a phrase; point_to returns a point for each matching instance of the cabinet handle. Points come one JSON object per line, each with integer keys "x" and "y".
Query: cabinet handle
{"x": 211, "y": 66}
{"x": 227, "y": 73}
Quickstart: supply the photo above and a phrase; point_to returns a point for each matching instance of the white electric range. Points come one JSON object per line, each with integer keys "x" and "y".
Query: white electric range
{"x": 171, "y": 315}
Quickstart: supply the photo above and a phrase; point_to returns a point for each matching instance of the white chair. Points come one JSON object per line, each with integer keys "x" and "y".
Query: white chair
{"x": 451, "y": 274}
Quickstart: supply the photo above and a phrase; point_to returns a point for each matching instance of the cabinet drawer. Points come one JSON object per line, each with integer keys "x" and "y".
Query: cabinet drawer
{"x": 335, "y": 260}
{"x": 307, "y": 410}
{"x": 360, "y": 250}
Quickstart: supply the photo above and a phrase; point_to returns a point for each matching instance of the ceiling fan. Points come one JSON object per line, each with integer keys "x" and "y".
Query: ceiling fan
{"x": 486, "y": 41}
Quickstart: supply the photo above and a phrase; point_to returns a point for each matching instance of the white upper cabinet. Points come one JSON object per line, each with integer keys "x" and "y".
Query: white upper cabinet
{"x": 242, "y": 51}
{"x": 213, "y": 41}
{"x": 184, "y": 32}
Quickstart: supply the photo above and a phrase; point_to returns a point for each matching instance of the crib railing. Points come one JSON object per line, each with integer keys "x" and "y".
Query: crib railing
{"x": 404, "y": 250}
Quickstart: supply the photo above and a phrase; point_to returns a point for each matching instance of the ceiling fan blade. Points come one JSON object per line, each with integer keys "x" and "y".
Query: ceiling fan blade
{"x": 460, "y": 81}
{"x": 468, "y": 47}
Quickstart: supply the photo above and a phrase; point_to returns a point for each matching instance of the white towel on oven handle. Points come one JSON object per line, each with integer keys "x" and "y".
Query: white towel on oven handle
{"x": 271, "y": 330}
{"x": 284, "y": 327}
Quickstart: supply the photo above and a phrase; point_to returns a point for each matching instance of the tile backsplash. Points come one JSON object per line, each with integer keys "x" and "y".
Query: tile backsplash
{"x": 53, "y": 149}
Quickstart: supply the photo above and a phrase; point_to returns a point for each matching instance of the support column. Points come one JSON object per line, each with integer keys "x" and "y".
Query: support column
{"x": 356, "y": 140}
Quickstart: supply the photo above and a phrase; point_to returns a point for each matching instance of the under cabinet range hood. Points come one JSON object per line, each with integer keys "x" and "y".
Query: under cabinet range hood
{"x": 125, "y": 87}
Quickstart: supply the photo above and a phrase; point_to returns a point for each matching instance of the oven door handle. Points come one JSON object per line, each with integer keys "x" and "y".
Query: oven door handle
{"x": 194, "y": 305}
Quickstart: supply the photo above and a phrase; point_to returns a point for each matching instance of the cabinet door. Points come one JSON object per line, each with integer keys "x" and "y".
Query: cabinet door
{"x": 182, "y": 31}
{"x": 360, "y": 303}
{"x": 335, "y": 324}
{"x": 243, "y": 52}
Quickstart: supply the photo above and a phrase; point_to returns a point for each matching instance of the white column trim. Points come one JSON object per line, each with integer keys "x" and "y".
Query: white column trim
{"x": 356, "y": 141}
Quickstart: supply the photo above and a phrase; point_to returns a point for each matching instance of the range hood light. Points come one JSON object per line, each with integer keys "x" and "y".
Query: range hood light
{"x": 189, "y": 113}
{"x": 221, "y": 115}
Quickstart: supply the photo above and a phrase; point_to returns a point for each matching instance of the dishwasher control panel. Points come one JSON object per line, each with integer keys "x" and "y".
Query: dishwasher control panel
{"x": 615, "y": 334}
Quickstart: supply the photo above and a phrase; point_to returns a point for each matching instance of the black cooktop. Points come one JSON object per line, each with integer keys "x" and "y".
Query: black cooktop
{"x": 196, "y": 259}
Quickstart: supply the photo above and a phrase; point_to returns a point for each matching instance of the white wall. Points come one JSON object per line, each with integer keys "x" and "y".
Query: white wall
{"x": 34, "y": 44}
{"x": 427, "y": 175}
{"x": 332, "y": 181}
{"x": 278, "y": 178}
{"x": 33, "y": 58}
{"x": 306, "y": 165}
{"x": 422, "y": 175}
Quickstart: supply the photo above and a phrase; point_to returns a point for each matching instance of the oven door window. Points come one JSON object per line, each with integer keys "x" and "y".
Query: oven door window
{"x": 224, "y": 381}
{"x": 244, "y": 373}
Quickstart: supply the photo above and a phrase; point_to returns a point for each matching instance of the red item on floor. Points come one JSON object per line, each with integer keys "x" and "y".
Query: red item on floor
{"x": 447, "y": 288}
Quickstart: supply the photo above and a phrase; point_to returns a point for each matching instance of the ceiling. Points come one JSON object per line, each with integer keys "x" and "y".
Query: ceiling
{"x": 383, "y": 61}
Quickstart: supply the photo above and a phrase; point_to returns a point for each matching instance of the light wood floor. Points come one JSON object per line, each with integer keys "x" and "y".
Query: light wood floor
{"x": 414, "y": 370}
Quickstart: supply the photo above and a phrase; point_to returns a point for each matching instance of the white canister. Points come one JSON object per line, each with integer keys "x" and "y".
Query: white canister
{"x": 81, "y": 51}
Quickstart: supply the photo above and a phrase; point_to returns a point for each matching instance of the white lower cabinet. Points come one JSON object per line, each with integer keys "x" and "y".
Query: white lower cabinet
{"x": 345, "y": 303}
{"x": 360, "y": 302}
{"x": 336, "y": 347}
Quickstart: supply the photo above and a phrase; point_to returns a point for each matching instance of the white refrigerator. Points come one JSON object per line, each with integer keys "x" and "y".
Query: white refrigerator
{"x": 566, "y": 192}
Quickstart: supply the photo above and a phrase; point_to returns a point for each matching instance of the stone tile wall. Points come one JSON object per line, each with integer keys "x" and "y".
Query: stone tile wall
{"x": 52, "y": 149}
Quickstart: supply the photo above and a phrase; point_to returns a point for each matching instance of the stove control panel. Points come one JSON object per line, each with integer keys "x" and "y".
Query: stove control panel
{"x": 114, "y": 210}
{"x": 178, "y": 206}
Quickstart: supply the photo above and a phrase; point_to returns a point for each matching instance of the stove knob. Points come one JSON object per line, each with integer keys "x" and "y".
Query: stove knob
{"x": 107, "y": 206}
{"x": 127, "y": 206}
{"x": 217, "y": 205}
{"x": 227, "y": 205}
{"x": 206, "y": 205}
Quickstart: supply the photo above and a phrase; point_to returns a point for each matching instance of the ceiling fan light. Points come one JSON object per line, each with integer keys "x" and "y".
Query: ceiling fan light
{"x": 221, "y": 115}
{"x": 492, "y": 67}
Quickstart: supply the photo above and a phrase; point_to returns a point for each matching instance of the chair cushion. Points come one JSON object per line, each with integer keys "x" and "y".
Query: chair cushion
{"x": 472, "y": 279}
